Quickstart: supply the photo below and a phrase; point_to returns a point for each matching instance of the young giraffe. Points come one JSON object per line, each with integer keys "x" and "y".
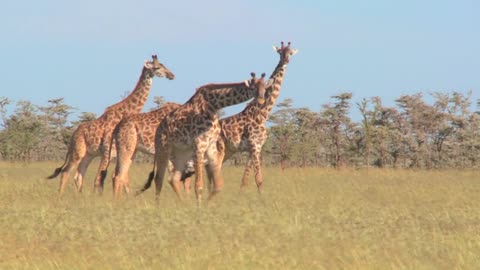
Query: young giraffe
{"x": 135, "y": 133}
{"x": 92, "y": 139}
{"x": 246, "y": 130}
{"x": 193, "y": 128}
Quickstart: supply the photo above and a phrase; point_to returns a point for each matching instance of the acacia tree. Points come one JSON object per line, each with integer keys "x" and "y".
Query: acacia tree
{"x": 84, "y": 117}
{"x": 471, "y": 143}
{"x": 282, "y": 132}
{"x": 4, "y": 102}
{"x": 390, "y": 136}
{"x": 305, "y": 136}
{"x": 411, "y": 134}
{"x": 22, "y": 132}
{"x": 159, "y": 102}
{"x": 421, "y": 121}
{"x": 364, "y": 143}
{"x": 435, "y": 129}
{"x": 462, "y": 142}
{"x": 53, "y": 140}
{"x": 339, "y": 127}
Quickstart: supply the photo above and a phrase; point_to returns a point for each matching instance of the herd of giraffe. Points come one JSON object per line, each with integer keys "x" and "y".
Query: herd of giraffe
{"x": 184, "y": 138}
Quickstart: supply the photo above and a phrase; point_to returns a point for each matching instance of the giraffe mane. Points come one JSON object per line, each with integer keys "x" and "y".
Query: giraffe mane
{"x": 214, "y": 86}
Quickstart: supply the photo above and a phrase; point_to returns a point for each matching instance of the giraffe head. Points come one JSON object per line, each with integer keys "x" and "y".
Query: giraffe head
{"x": 259, "y": 86}
{"x": 285, "y": 52}
{"x": 158, "y": 69}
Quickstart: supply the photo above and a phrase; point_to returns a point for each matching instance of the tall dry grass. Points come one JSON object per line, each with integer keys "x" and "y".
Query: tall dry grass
{"x": 307, "y": 219}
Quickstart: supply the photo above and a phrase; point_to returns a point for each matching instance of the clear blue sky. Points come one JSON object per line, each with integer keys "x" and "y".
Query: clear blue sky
{"x": 91, "y": 52}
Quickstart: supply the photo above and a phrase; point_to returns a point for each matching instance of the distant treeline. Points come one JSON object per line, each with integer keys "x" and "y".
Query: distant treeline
{"x": 412, "y": 134}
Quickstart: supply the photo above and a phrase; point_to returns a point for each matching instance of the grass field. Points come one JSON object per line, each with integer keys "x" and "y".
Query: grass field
{"x": 307, "y": 219}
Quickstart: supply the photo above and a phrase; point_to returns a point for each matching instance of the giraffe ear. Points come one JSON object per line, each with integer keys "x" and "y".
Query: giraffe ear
{"x": 147, "y": 64}
{"x": 294, "y": 52}
{"x": 247, "y": 83}
{"x": 275, "y": 48}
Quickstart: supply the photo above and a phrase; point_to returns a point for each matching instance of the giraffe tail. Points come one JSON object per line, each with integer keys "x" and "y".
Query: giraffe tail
{"x": 186, "y": 175}
{"x": 59, "y": 169}
{"x": 55, "y": 173}
{"x": 149, "y": 181}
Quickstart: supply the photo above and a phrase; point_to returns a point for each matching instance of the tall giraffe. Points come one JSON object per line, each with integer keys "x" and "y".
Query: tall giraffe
{"x": 191, "y": 129}
{"x": 136, "y": 133}
{"x": 245, "y": 131}
{"x": 92, "y": 139}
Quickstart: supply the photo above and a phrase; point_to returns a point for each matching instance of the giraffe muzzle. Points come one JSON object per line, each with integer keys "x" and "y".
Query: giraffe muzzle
{"x": 170, "y": 76}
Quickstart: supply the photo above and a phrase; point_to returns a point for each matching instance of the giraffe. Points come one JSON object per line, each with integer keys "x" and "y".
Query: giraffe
{"x": 246, "y": 130}
{"x": 190, "y": 130}
{"x": 92, "y": 139}
{"x": 135, "y": 133}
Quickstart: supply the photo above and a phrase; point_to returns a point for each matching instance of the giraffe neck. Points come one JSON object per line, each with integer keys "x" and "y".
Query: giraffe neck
{"x": 135, "y": 101}
{"x": 218, "y": 96}
{"x": 274, "y": 90}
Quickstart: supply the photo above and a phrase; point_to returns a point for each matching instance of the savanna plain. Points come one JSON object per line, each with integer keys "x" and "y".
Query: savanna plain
{"x": 307, "y": 218}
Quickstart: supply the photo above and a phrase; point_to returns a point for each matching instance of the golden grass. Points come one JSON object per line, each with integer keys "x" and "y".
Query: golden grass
{"x": 307, "y": 219}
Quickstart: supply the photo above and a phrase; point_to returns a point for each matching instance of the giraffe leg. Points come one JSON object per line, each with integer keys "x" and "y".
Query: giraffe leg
{"x": 210, "y": 183}
{"x": 116, "y": 155}
{"x": 170, "y": 167}
{"x": 102, "y": 170}
{"x": 257, "y": 166}
{"x": 187, "y": 176}
{"x": 219, "y": 152}
{"x": 126, "y": 183}
{"x": 181, "y": 167}
{"x": 187, "y": 182}
{"x": 114, "y": 178}
{"x": 215, "y": 167}
{"x": 65, "y": 173}
{"x": 121, "y": 175}
{"x": 162, "y": 161}
{"x": 175, "y": 182}
{"x": 82, "y": 168}
{"x": 77, "y": 151}
{"x": 199, "y": 164}
{"x": 246, "y": 173}
{"x": 126, "y": 138}
{"x": 218, "y": 181}
{"x": 126, "y": 187}
{"x": 73, "y": 162}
